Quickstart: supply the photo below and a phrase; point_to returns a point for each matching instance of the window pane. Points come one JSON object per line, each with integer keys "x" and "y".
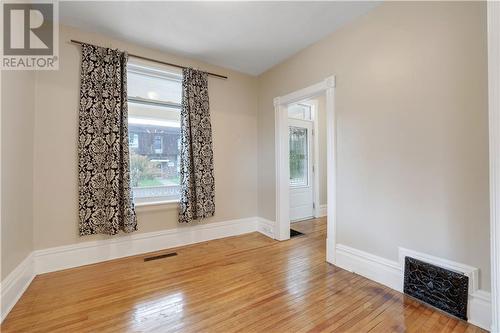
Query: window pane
{"x": 299, "y": 111}
{"x": 134, "y": 141}
{"x": 157, "y": 144}
{"x": 298, "y": 156}
{"x": 154, "y": 87}
{"x": 154, "y": 134}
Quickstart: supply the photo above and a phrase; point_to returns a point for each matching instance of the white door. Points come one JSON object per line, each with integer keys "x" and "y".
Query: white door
{"x": 301, "y": 169}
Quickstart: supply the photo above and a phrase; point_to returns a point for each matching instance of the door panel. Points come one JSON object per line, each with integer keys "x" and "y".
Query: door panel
{"x": 300, "y": 154}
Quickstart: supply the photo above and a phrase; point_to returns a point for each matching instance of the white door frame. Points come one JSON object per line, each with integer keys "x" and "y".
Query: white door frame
{"x": 315, "y": 115}
{"x": 282, "y": 229}
{"x": 494, "y": 129}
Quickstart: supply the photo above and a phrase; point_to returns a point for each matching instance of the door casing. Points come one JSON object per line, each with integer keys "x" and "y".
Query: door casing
{"x": 282, "y": 225}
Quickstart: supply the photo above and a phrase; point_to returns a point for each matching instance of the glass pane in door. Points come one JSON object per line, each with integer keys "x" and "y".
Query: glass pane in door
{"x": 300, "y": 111}
{"x": 298, "y": 156}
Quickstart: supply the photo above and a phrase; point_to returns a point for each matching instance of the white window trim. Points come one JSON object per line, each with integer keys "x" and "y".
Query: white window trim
{"x": 157, "y": 205}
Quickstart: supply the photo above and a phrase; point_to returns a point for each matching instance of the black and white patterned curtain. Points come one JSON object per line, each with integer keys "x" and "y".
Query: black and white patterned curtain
{"x": 196, "y": 165}
{"x": 105, "y": 198}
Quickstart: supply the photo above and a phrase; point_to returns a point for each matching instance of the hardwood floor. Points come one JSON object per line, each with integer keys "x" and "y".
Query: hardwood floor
{"x": 247, "y": 283}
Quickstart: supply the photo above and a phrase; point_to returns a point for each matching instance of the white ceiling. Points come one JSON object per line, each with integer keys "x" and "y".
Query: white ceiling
{"x": 250, "y": 37}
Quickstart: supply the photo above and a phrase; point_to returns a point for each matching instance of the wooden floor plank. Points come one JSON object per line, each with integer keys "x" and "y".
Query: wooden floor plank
{"x": 247, "y": 283}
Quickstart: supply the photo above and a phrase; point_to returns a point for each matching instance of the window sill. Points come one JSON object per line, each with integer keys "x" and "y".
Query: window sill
{"x": 157, "y": 205}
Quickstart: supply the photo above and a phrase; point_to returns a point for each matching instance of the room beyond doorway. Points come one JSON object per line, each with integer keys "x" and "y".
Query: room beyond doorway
{"x": 307, "y": 158}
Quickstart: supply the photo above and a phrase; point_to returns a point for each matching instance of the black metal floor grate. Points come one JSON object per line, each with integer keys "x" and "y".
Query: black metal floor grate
{"x": 161, "y": 256}
{"x": 442, "y": 288}
{"x": 295, "y": 233}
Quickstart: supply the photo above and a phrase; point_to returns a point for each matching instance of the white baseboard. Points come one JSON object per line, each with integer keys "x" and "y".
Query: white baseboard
{"x": 381, "y": 270}
{"x": 480, "y": 309}
{"x": 15, "y": 284}
{"x": 266, "y": 227}
{"x": 321, "y": 211}
{"x": 85, "y": 253}
{"x": 376, "y": 268}
{"x": 390, "y": 274}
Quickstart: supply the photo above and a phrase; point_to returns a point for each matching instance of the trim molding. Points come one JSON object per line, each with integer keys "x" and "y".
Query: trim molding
{"x": 390, "y": 274}
{"x": 15, "y": 284}
{"x": 321, "y": 211}
{"x": 378, "y": 269}
{"x": 316, "y": 167}
{"x": 494, "y": 130}
{"x": 282, "y": 225}
{"x": 85, "y": 253}
{"x": 282, "y": 171}
{"x": 480, "y": 309}
{"x": 266, "y": 227}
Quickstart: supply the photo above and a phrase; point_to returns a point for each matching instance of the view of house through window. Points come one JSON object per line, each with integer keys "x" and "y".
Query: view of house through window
{"x": 154, "y": 101}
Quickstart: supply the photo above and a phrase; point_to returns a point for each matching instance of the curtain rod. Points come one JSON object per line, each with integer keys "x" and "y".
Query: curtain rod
{"x": 157, "y": 61}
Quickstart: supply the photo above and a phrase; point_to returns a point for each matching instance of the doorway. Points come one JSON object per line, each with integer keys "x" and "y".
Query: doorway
{"x": 303, "y": 139}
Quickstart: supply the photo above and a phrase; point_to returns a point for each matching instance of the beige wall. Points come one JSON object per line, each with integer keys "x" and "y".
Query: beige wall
{"x": 233, "y": 104}
{"x": 412, "y": 137}
{"x": 18, "y": 114}
{"x": 412, "y": 129}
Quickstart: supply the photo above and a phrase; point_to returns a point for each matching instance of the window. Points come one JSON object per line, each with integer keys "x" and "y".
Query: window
{"x": 158, "y": 144}
{"x": 300, "y": 111}
{"x": 298, "y": 156}
{"x": 154, "y": 101}
{"x": 299, "y": 114}
{"x": 134, "y": 140}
